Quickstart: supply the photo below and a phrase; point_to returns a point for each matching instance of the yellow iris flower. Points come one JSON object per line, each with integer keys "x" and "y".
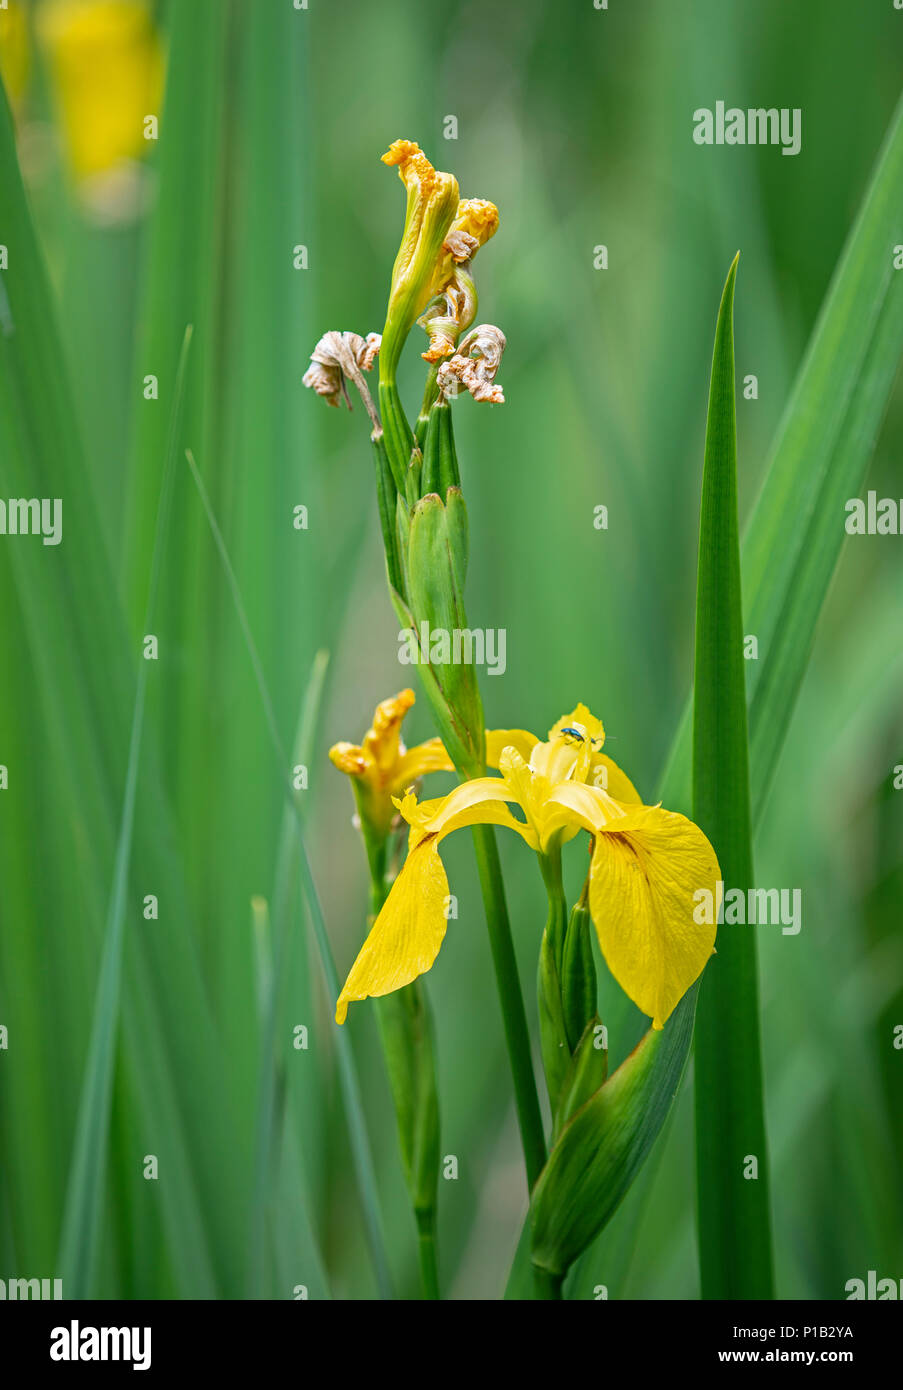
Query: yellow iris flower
{"x": 647, "y": 865}
{"x": 107, "y": 69}
{"x": 382, "y": 767}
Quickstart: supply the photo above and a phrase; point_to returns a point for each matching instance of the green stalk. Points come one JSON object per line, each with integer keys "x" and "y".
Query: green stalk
{"x": 546, "y": 1285}
{"x": 399, "y": 439}
{"x": 430, "y": 392}
{"x": 387, "y": 501}
{"x": 556, "y": 1054}
{"x": 406, "y": 1035}
{"x": 514, "y": 1016}
{"x": 733, "y": 1207}
{"x": 426, "y": 1247}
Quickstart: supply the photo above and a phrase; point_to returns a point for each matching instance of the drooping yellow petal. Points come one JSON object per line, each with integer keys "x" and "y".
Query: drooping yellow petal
{"x": 646, "y": 868}
{"x": 408, "y": 932}
{"x": 481, "y": 801}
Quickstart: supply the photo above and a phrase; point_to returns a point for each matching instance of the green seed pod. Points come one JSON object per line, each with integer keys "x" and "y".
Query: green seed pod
{"x": 406, "y": 1030}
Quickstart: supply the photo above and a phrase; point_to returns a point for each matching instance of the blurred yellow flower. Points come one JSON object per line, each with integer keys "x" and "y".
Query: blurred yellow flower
{"x": 14, "y": 54}
{"x": 647, "y": 865}
{"x": 106, "y": 67}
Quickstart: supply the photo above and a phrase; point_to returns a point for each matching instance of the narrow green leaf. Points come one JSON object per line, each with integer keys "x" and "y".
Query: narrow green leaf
{"x": 733, "y": 1207}
{"x": 81, "y": 1219}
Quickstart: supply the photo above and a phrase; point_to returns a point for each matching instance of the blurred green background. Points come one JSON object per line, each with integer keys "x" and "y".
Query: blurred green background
{"x": 577, "y": 123}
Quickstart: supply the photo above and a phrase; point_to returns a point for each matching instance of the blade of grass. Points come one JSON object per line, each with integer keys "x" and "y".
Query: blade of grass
{"x": 733, "y": 1209}
{"x": 82, "y": 1214}
{"x": 354, "y": 1112}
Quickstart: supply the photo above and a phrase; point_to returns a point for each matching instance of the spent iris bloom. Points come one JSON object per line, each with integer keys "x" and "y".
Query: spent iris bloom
{"x": 647, "y": 866}
{"x": 431, "y": 275}
{"x": 452, "y": 305}
{"x": 431, "y": 208}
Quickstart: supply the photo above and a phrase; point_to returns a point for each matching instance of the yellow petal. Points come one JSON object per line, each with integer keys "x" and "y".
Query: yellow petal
{"x": 592, "y": 808}
{"x": 382, "y": 741}
{"x": 481, "y": 801}
{"x": 646, "y": 868}
{"x": 606, "y": 774}
{"x": 426, "y": 757}
{"x": 408, "y": 932}
{"x": 497, "y": 740}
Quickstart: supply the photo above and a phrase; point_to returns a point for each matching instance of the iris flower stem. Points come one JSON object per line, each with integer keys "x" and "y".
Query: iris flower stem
{"x": 546, "y": 1284}
{"x": 550, "y": 865}
{"x": 424, "y": 1214}
{"x": 426, "y": 1247}
{"x": 431, "y": 391}
{"x": 399, "y": 441}
{"x": 514, "y": 1015}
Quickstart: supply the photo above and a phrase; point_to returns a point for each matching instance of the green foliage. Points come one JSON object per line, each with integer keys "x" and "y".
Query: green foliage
{"x": 270, "y": 134}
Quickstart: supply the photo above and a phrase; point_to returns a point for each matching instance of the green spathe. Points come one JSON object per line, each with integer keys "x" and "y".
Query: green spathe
{"x": 435, "y": 600}
{"x": 600, "y": 1151}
